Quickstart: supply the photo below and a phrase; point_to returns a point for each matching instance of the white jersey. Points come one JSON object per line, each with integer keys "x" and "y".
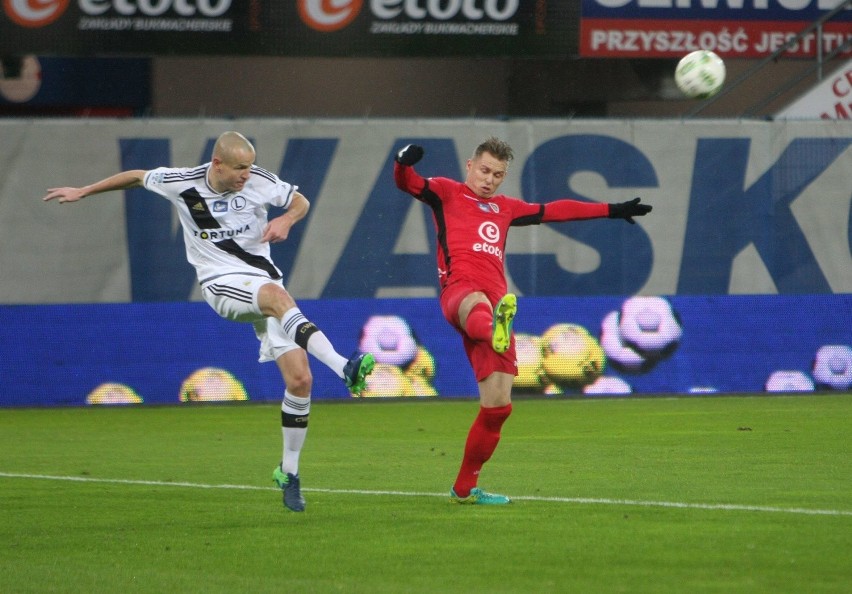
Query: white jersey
{"x": 222, "y": 232}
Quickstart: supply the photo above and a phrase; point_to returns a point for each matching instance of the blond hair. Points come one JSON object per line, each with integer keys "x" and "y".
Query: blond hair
{"x": 493, "y": 145}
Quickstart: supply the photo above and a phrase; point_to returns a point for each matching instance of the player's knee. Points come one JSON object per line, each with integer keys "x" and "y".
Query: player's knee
{"x": 274, "y": 300}
{"x": 299, "y": 382}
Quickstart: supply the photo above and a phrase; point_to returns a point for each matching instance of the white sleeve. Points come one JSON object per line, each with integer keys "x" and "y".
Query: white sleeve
{"x": 280, "y": 193}
{"x": 153, "y": 180}
{"x": 285, "y": 193}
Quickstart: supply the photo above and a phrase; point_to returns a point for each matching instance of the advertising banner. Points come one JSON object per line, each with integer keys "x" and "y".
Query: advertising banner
{"x": 739, "y": 280}
{"x": 739, "y": 207}
{"x": 174, "y": 353}
{"x": 831, "y": 99}
{"x": 671, "y": 29}
{"x": 343, "y": 28}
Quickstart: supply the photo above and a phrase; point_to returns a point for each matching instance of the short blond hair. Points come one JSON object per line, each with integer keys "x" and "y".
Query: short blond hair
{"x": 493, "y": 145}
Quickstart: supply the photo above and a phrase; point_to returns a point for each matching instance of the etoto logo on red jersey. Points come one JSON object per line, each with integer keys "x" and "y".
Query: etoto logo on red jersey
{"x": 490, "y": 232}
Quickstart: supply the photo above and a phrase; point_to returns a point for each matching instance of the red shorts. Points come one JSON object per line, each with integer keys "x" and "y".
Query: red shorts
{"x": 481, "y": 355}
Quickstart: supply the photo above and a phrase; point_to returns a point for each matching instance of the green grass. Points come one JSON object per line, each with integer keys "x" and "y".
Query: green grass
{"x": 610, "y": 497}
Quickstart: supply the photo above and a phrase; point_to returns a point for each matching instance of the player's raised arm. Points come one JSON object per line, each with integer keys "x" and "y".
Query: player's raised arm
{"x": 120, "y": 181}
{"x": 404, "y": 175}
{"x": 567, "y": 209}
{"x": 571, "y": 210}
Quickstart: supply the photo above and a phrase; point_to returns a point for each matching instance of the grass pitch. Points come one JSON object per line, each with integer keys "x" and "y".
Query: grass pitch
{"x": 703, "y": 494}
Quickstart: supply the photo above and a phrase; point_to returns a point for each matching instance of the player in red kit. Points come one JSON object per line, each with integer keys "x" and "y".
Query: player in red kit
{"x": 472, "y": 221}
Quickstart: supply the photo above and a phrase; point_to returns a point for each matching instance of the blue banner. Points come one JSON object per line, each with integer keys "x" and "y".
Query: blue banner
{"x": 753, "y": 10}
{"x": 161, "y": 353}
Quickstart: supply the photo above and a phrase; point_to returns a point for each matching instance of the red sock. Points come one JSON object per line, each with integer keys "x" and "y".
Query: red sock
{"x": 481, "y": 442}
{"x": 479, "y": 321}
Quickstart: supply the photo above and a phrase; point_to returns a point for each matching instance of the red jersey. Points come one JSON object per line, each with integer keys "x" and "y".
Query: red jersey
{"x": 472, "y": 231}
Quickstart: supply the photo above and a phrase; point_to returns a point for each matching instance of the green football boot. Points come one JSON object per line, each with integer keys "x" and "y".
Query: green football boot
{"x": 356, "y": 371}
{"x": 504, "y": 315}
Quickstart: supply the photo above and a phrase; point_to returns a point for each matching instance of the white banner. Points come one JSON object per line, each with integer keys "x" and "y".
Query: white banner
{"x": 739, "y": 207}
{"x": 831, "y": 99}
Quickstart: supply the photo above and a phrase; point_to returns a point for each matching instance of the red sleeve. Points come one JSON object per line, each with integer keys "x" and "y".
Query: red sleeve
{"x": 407, "y": 179}
{"x": 573, "y": 210}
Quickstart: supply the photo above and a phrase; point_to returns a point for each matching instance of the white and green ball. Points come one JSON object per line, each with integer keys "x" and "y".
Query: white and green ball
{"x": 700, "y": 74}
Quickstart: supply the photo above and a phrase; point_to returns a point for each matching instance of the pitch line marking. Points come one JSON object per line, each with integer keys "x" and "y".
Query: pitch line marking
{"x": 577, "y": 500}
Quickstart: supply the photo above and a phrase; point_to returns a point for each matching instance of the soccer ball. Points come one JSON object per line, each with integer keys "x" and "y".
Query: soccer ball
{"x": 832, "y": 366}
{"x": 649, "y": 326}
{"x": 700, "y": 74}
{"x": 607, "y": 385}
{"x": 211, "y": 384}
{"x": 789, "y": 381}
{"x": 113, "y": 393}
{"x": 390, "y": 340}
{"x": 572, "y": 356}
{"x": 643, "y": 333}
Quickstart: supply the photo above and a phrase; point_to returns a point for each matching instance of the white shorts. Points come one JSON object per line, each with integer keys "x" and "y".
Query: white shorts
{"x": 234, "y": 297}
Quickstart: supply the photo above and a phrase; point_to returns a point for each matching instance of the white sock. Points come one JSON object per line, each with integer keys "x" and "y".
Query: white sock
{"x": 294, "y": 429}
{"x": 310, "y": 338}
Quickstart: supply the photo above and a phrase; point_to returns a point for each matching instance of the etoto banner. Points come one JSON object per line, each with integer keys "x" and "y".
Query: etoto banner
{"x": 403, "y": 28}
{"x": 731, "y": 28}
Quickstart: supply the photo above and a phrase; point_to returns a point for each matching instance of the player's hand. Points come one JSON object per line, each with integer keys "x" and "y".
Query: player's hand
{"x": 628, "y": 210}
{"x": 409, "y": 155}
{"x": 63, "y": 194}
{"x": 278, "y": 229}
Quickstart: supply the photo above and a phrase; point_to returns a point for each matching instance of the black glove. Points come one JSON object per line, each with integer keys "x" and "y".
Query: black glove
{"x": 409, "y": 155}
{"x": 628, "y": 210}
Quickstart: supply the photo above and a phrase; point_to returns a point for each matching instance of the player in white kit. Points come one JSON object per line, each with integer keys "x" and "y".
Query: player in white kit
{"x": 222, "y": 207}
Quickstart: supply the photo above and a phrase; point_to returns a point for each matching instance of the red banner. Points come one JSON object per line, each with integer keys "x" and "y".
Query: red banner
{"x": 650, "y": 38}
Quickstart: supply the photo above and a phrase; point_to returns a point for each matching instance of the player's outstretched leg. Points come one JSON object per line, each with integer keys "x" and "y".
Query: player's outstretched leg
{"x": 479, "y": 497}
{"x": 504, "y": 315}
{"x": 290, "y": 485}
{"x": 356, "y": 370}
